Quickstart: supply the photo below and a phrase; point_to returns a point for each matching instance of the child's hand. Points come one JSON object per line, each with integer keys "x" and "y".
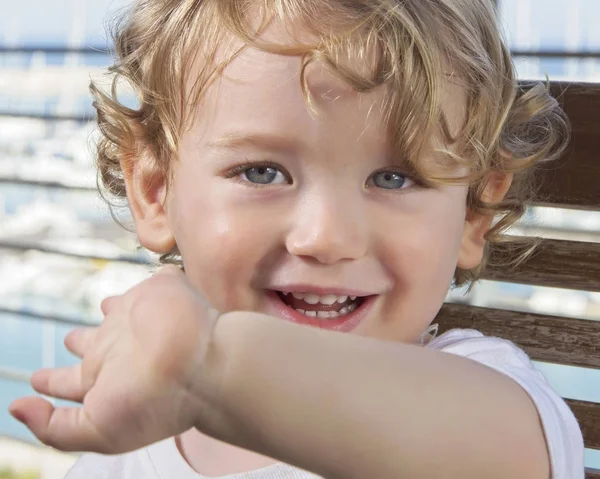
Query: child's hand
{"x": 135, "y": 378}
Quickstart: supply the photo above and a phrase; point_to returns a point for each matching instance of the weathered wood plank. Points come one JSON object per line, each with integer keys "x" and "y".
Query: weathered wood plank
{"x": 545, "y": 338}
{"x": 573, "y": 180}
{"x": 557, "y": 263}
{"x": 592, "y": 473}
{"x": 588, "y": 415}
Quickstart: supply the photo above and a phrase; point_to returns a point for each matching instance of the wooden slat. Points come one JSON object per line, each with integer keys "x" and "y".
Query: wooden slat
{"x": 557, "y": 263}
{"x": 588, "y": 415}
{"x": 573, "y": 180}
{"x": 560, "y": 54}
{"x": 545, "y": 338}
{"x": 592, "y": 473}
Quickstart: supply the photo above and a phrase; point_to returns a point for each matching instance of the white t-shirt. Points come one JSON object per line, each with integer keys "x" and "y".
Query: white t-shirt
{"x": 565, "y": 443}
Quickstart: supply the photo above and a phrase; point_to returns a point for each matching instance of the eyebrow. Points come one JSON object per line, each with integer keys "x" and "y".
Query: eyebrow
{"x": 237, "y": 140}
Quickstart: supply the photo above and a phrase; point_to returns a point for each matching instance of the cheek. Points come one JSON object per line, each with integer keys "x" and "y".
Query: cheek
{"x": 434, "y": 247}
{"x": 221, "y": 244}
{"x": 421, "y": 252}
{"x": 441, "y": 229}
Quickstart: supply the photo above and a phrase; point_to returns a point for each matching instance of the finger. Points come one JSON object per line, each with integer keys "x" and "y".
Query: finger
{"x": 108, "y": 303}
{"x": 80, "y": 340}
{"x": 66, "y": 429}
{"x": 84, "y": 344}
{"x": 62, "y": 383}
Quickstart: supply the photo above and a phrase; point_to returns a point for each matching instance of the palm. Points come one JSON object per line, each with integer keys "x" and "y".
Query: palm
{"x": 135, "y": 376}
{"x": 133, "y": 410}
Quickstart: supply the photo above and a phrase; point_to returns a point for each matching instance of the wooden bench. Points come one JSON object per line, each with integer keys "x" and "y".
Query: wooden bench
{"x": 574, "y": 183}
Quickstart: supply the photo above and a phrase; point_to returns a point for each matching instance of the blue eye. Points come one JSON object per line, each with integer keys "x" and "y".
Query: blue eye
{"x": 390, "y": 180}
{"x": 264, "y": 175}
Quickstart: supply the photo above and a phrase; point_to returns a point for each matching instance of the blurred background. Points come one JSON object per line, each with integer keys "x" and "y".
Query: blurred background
{"x": 61, "y": 252}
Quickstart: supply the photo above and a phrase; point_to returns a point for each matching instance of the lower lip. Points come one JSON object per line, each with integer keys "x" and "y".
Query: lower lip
{"x": 343, "y": 324}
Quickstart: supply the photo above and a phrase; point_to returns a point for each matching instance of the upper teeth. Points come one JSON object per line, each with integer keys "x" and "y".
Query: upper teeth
{"x": 327, "y": 299}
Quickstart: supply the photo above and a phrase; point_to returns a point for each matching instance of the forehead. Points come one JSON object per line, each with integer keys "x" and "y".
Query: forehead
{"x": 263, "y": 89}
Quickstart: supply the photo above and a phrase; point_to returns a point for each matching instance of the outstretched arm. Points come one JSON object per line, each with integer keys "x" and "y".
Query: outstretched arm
{"x": 346, "y": 406}
{"x": 339, "y": 405}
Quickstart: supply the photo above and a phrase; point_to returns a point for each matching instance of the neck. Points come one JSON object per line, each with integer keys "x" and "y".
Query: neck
{"x": 212, "y": 458}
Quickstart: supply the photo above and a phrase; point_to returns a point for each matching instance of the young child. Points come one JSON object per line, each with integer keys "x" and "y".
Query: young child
{"x": 318, "y": 167}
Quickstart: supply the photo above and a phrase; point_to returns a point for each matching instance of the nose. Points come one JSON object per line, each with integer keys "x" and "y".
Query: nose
{"x": 328, "y": 231}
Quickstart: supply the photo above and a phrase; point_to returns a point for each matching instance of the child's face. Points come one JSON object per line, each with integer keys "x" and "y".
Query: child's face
{"x": 314, "y": 215}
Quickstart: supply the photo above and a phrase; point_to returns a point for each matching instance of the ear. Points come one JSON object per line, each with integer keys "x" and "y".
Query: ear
{"x": 477, "y": 224}
{"x": 146, "y": 189}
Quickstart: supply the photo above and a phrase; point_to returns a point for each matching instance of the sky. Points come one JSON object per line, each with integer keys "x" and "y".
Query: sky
{"x": 558, "y": 24}
{"x": 51, "y": 21}
{"x": 43, "y": 22}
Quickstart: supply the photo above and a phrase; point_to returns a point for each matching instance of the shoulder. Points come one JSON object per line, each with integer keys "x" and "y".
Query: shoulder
{"x": 497, "y": 353}
{"x": 473, "y": 344}
{"x": 563, "y": 435}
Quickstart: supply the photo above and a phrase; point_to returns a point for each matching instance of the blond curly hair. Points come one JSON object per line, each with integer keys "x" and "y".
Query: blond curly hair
{"x": 411, "y": 47}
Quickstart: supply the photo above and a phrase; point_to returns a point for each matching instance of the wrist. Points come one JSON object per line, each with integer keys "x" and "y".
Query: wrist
{"x": 212, "y": 388}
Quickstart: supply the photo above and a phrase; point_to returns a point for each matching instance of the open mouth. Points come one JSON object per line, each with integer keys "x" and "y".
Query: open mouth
{"x": 325, "y": 311}
{"x": 329, "y": 306}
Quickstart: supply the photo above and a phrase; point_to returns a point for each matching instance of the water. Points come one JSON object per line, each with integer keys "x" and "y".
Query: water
{"x": 27, "y": 345}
